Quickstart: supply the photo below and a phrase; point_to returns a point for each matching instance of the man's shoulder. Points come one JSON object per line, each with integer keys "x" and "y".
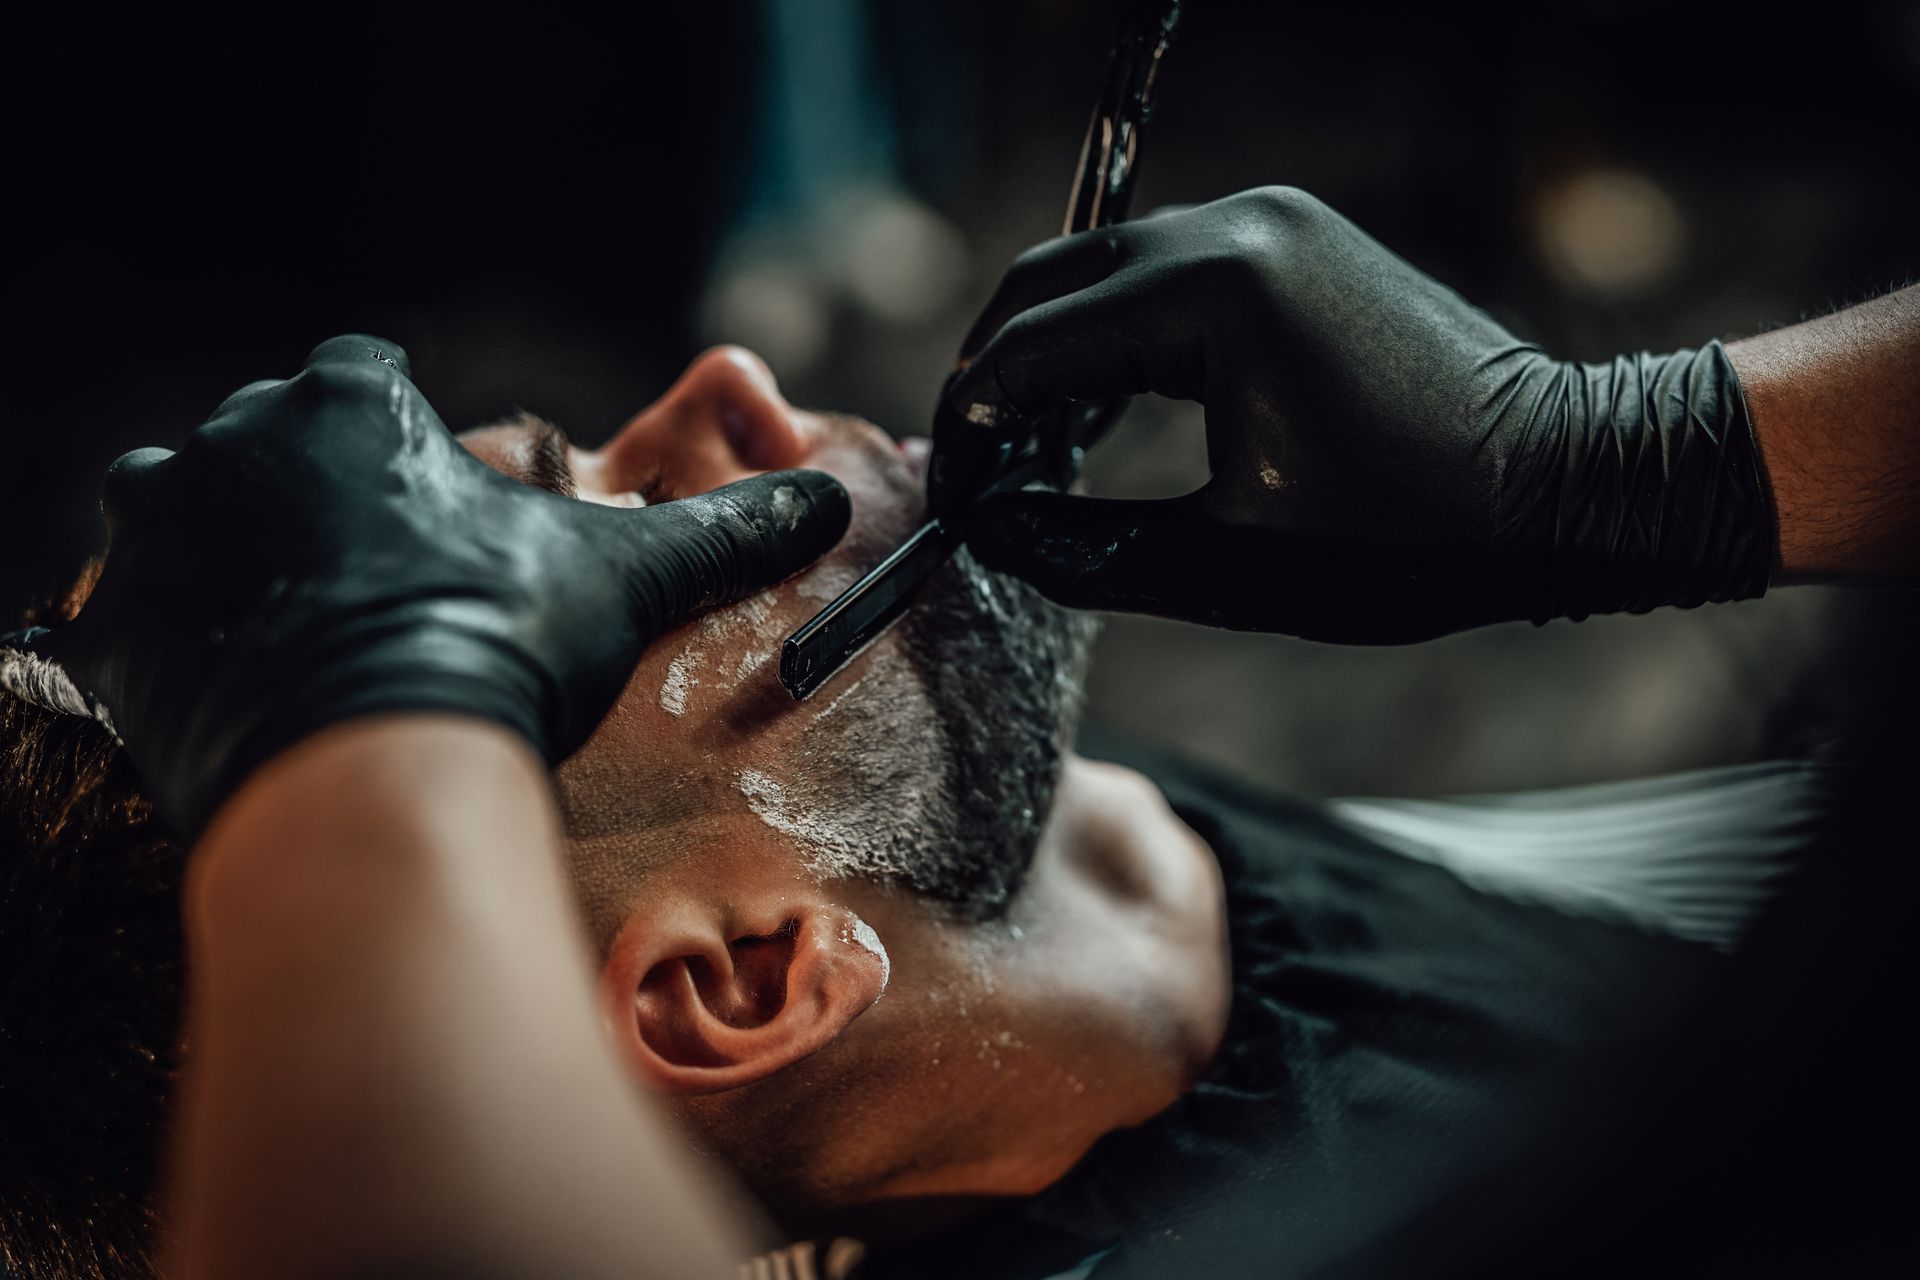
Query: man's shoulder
{"x": 1195, "y": 787}
{"x": 1261, "y": 836}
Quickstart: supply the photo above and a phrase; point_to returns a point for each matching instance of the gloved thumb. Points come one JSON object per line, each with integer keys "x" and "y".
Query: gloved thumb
{"x": 1102, "y": 553}
{"x": 694, "y": 553}
{"x": 131, "y": 484}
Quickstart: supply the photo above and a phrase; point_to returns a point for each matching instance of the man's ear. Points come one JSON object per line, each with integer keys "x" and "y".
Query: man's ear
{"x": 704, "y": 999}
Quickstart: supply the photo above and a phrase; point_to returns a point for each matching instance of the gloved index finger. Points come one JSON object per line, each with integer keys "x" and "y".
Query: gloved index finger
{"x": 345, "y": 349}
{"x": 1080, "y": 344}
{"x": 1050, "y": 269}
{"x": 1117, "y": 338}
{"x": 130, "y": 484}
{"x": 354, "y": 347}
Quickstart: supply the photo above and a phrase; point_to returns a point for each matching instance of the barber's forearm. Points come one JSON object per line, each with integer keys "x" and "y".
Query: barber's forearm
{"x": 1836, "y": 409}
{"x": 394, "y": 1062}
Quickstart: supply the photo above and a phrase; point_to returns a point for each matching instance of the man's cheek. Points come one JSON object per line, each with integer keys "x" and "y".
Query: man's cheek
{"x": 690, "y": 685}
{"x": 636, "y": 712}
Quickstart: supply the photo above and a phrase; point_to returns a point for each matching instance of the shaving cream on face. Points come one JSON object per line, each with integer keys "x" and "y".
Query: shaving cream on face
{"x": 883, "y": 666}
{"x": 861, "y": 792}
{"x": 752, "y": 619}
{"x": 830, "y": 850}
{"x": 679, "y": 682}
{"x": 834, "y": 706}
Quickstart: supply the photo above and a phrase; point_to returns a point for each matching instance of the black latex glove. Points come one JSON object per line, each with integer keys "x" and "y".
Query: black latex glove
{"x": 1388, "y": 464}
{"x": 323, "y": 548}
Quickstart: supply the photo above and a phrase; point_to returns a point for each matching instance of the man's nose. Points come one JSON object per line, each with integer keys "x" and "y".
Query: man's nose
{"x": 724, "y": 420}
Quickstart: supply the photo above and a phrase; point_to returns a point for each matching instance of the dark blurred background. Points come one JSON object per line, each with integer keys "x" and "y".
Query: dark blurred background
{"x": 555, "y": 213}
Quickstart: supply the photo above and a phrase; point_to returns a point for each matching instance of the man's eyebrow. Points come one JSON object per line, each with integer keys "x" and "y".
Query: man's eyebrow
{"x": 547, "y": 466}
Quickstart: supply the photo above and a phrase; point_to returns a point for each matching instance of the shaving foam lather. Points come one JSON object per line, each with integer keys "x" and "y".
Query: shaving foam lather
{"x": 1051, "y": 445}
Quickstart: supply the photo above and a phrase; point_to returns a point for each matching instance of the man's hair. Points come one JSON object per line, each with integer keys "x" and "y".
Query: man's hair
{"x": 91, "y": 972}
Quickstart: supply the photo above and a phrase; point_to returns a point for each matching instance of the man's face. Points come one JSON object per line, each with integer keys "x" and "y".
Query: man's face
{"x": 929, "y": 761}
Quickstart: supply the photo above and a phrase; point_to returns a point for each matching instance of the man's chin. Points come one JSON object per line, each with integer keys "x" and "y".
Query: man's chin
{"x": 969, "y": 731}
{"x": 1003, "y": 668}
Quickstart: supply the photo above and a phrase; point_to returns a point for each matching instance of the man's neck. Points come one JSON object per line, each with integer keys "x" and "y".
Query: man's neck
{"x": 1105, "y": 992}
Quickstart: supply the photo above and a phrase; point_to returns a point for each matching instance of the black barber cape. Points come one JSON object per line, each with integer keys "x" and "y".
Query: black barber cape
{"x": 1397, "y": 1041}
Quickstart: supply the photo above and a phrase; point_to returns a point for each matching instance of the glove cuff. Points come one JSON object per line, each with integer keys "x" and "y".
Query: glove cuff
{"x": 1661, "y": 498}
{"x": 464, "y": 673}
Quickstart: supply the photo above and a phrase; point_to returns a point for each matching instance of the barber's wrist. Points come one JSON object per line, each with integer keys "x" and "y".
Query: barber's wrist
{"x": 1811, "y": 543}
{"x": 1643, "y": 486}
{"x": 380, "y": 779}
{"x": 249, "y": 718}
